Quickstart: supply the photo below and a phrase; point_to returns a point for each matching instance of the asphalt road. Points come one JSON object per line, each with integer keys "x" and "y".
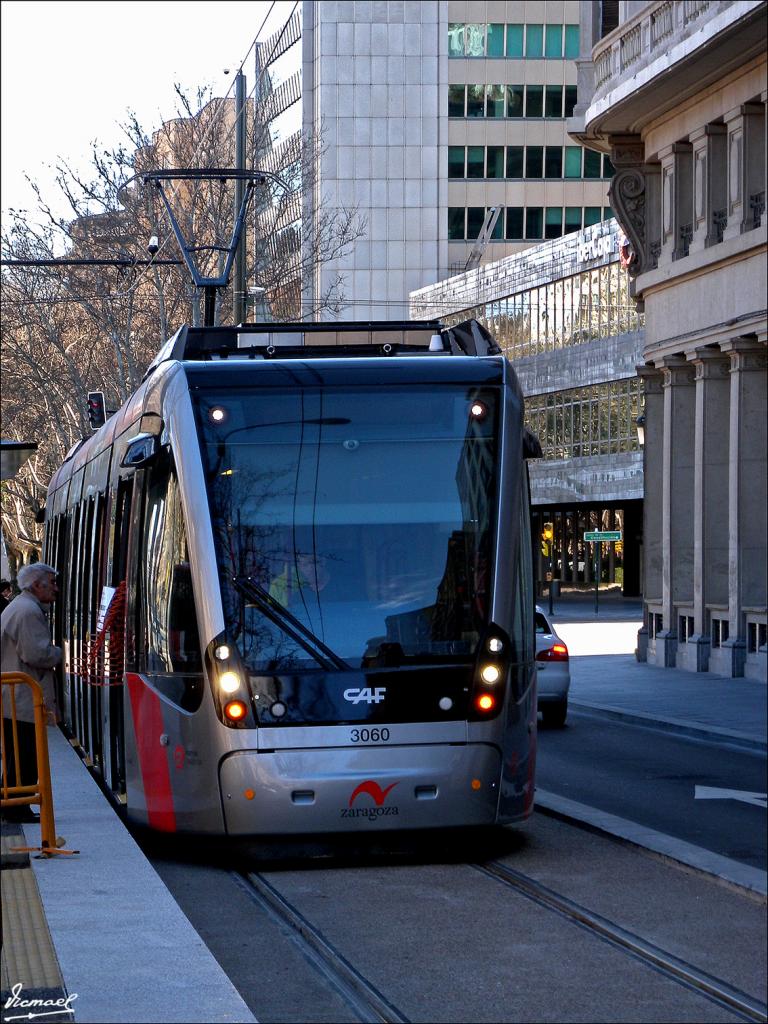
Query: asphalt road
{"x": 650, "y": 777}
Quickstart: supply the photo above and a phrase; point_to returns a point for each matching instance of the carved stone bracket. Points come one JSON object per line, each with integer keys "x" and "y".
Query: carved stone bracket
{"x": 627, "y": 197}
{"x": 635, "y": 200}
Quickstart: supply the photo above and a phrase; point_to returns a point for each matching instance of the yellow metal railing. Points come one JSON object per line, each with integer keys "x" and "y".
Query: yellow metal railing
{"x": 40, "y": 792}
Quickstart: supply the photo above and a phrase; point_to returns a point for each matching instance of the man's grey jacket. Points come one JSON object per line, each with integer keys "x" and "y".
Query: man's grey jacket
{"x": 26, "y": 646}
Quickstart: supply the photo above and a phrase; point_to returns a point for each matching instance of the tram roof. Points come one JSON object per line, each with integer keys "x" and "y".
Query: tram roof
{"x": 342, "y": 339}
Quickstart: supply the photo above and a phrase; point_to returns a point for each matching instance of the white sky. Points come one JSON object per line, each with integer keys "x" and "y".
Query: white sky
{"x": 70, "y": 71}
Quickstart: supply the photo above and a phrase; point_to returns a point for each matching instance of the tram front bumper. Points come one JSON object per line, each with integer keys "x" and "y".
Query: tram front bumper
{"x": 342, "y": 789}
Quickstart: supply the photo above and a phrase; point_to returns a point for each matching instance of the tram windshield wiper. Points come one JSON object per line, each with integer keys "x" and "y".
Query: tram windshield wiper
{"x": 290, "y": 625}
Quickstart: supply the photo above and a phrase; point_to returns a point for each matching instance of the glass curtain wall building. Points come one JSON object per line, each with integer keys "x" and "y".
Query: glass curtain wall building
{"x": 562, "y": 313}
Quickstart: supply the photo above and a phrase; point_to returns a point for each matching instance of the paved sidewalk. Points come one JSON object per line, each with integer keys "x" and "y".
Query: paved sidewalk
{"x": 715, "y": 705}
{"x": 125, "y": 950}
{"x": 617, "y": 684}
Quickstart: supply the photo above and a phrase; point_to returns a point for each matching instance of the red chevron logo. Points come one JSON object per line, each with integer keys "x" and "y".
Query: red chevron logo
{"x": 374, "y": 790}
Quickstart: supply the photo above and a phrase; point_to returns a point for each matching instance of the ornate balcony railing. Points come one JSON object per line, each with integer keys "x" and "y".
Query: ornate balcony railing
{"x": 630, "y": 47}
{"x": 693, "y": 8}
{"x": 662, "y": 23}
{"x": 652, "y": 32}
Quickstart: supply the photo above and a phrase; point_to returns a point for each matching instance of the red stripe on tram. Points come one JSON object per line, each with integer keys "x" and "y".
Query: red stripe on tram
{"x": 153, "y": 757}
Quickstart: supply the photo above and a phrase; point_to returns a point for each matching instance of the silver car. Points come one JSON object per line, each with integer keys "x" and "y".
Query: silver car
{"x": 553, "y": 672}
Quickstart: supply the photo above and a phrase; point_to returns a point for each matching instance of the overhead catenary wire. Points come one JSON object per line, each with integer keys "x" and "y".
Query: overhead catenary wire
{"x": 218, "y": 114}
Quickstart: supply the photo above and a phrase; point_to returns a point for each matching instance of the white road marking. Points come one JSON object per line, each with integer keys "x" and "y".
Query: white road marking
{"x": 713, "y": 793}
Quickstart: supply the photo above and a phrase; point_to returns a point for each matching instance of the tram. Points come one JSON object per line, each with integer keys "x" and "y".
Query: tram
{"x": 296, "y": 586}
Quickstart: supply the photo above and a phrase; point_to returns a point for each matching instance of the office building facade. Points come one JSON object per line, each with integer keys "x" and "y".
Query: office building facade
{"x": 433, "y": 114}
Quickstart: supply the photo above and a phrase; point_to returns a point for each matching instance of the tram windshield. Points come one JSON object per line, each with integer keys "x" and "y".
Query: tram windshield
{"x": 352, "y": 528}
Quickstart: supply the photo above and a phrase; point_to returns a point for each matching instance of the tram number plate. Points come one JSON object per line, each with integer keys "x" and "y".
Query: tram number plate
{"x": 369, "y": 735}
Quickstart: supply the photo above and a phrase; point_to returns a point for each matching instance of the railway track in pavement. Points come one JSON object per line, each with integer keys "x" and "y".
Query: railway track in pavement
{"x": 370, "y": 1000}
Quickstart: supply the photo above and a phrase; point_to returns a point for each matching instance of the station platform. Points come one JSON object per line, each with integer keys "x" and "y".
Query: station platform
{"x": 101, "y": 930}
{"x": 97, "y": 933}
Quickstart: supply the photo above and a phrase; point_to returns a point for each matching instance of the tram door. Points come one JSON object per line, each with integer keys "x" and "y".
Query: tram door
{"x": 113, "y": 711}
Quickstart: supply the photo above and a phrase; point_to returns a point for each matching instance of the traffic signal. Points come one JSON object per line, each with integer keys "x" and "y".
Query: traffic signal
{"x": 97, "y": 415}
{"x": 547, "y": 536}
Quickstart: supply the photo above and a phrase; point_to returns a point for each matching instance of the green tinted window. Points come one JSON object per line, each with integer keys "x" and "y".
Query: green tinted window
{"x": 497, "y": 232}
{"x": 534, "y": 41}
{"x": 475, "y": 161}
{"x": 455, "y": 161}
{"x": 572, "y": 218}
{"x": 553, "y": 162}
{"x": 534, "y": 222}
{"x": 607, "y": 213}
{"x": 495, "y": 41}
{"x": 534, "y": 162}
{"x": 573, "y": 161}
{"x": 591, "y": 164}
{"x": 514, "y": 101}
{"x": 514, "y": 222}
{"x": 553, "y": 41}
{"x": 494, "y": 101}
{"x": 475, "y": 100}
{"x": 514, "y": 162}
{"x": 455, "y": 40}
{"x": 474, "y": 41}
{"x": 608, "y": 169}
{"x": 495, "y": 162}
{"x": 514, "y": 40}
{"x": 570, "y": 100}
{"x": 456, "y": 222}
{"x": 553, "y": 227}
{"x": 475, "y": 218}
{"x": 591, "y": 215}
{"x": 534, "y": 101}
{"x": 571, "y": 41}
{"x": 455, "y": 101}
{"x": 553, "y": 101}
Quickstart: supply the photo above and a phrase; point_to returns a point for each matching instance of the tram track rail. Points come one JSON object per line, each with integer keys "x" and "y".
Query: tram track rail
{"x": 363, "y": 998}
{"x": 371, "y": 1005}
{"x": 713, "y": 989}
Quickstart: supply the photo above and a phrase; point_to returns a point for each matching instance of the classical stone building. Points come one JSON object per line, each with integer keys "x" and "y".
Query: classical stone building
{"x": 675, "y": 92}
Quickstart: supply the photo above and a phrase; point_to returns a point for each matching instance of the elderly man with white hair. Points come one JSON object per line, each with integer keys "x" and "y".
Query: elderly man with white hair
{"x": 26, "y": 646}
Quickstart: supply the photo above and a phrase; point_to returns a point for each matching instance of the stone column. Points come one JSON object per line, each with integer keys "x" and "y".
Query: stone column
{"x": 746, "y": 165}
{"x": 677, "y": 200}
{"x": 746, "y": 498}
{"x": 710, "y": 500}
{"x": 677, "y": 502}
{"x": 653, "y": 462}
{"x": 709, "y": 185}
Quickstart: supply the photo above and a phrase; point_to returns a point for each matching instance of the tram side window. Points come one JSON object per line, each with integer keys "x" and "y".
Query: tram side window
{"x": 171, "y": 656}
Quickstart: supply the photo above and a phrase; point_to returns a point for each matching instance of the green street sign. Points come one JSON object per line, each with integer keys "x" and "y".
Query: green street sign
{"x": 602, "y": 535}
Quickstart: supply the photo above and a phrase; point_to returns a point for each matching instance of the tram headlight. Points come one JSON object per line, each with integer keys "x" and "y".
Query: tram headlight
{"x": 495, "y": 645}
{"x": 490, "y": 673}
{"x": 217, "y": 414}
{"x": 229, "y": 682}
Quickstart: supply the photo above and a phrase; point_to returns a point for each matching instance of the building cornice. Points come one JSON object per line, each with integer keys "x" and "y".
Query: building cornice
{"x": 653, "y": 62}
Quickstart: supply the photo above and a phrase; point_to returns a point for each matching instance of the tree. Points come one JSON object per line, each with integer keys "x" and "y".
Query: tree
{"x": 68, "y": 330}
